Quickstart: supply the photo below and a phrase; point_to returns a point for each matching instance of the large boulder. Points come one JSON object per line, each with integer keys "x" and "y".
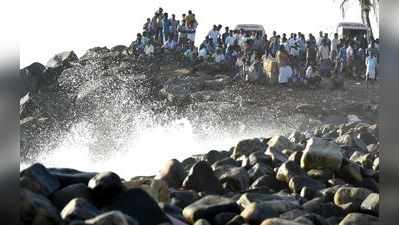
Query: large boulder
{"x": 61, "y": 197}
{"x": 321, "y": 154}
{"x": 172, "y": 173}
{"x": 34, "y": 77}
{"x": 255, "y": 213}
{"x": 208, "y": 207}
{"x": 214, "y": 155}
{"x": 79, "y": 209}
{"x": 137, "y": 204}
{"x": 279, "y": 221}
{"x": 297, "y": 183}
{"x": 350, "y": 198}
{"x": 112, "y": 218}
{"x": 359, "y": 219}
{"x": 105, "y": 186}
{"x": 70, "y": 176}
{"x": 42, "y": 178}
{"x": 289, "y": 170}
{"x": 279, "y": 143}
{"x": 247, "y": 147}
{"x": 36, "y": 209}
{"x": 234, "y": 179}
{"x": 201, "y": 178}
{"x": 371, "y": 204}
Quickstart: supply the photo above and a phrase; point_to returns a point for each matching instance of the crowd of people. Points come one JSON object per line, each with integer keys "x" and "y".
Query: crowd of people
{"x": 299, "y": 59}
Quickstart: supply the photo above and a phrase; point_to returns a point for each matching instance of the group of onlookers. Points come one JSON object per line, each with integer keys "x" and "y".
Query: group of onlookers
{"x": 299, "y": 59}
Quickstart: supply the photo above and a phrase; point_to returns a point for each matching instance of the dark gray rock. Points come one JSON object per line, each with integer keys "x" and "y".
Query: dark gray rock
{"x": 61, "y": 197}
{"x": 258, "y": 170}
{"x": 292, "y": 214}
{"x": 279, "y": 143}
{"x": 321, "y": 207}
{"x": 36, "y": 209}
{"x": 234, "y": 179}
{"x": 289, "y": 170}
{"x": 105, "y": 186}
{"x": 202, "y": 178}
{"x": 69, "y": 176}
{"x": 350, "y": 198}
{"x": 279, "y": 221}
{"x": 214, "y": 155}
{"x": 223, "y": 218}
{"x": 112, "y": 218}
{"x": 255, "y": 213}
{"x": 226, "y": 162}
{"x": 172, "y": 173}
{"x": 137, "y": 204}
{"x": 41, "y": 177}
{"x": 267, "y": 182}
{"x": 237, "y": 220}
{"x": 298, "y": 182}
{"x": 359, "y": 219}
{"x": 321, "y": 154}
{"x": 183, "y": 198}
{"x": 208, "y": 207}
{"x": 79, "y": 209}
{"x": 247, "y": 147}
{"x": 62, "y": 59}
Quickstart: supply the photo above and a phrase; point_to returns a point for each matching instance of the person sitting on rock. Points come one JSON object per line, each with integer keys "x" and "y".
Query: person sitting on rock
{"x": 285, "y": 75}
{"x": 137, "y": 46}
{"x": 311, "y": 77}
{"x": 170, "y": 44}
{"x": 149, "y": 49}
{"x": 202, "y": 53}
{"x": 219, "y": 56}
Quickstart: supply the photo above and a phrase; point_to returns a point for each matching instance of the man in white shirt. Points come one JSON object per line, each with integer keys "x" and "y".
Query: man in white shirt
{"x": 285, "y": 73}
{"x": 334, "y": 46}
{"x": 324, "y": 51}
{"x": 214, "y": 35}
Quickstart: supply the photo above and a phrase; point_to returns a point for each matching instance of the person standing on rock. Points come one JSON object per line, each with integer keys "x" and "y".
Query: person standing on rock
{"x": 173, "y": 27}
{"x": 371, "y": 67}
{"x": 165, "y": 27}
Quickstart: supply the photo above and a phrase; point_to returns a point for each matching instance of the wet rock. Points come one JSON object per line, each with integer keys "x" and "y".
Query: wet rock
{"x": 34, "y": 77}
{"x": 157, "y": 189}
{"x": 311, "y": 218}
{"x": 208, "y": 207}
{"x": 183, "y": 198}
{"x": 321, "y": 154}
{"x": 366, "y": 136}
{"x": 297, "y": 137}
{"x": 350, "y": 198}
{"x": 237, "y": 220}
{"x": 202, "y": 222}
{"x": 296, "y": 184}
{"x": 288, "y": 170}
{"x": 259, "y": 170}
{"x": 279, "y": 143}
{"x": 172, "y": 173}
{"x": 213, "y": 156}
{"x": 259, "y": 158}
{"x": 246, "y": 147}
{"x": 333, "y": 220}
{"x": 41, "y": 178}
{"x": 189, "y": 162}
{"x": 172, "y": 211}
{"x": 292, "y": 214}
{"x": 365, "y": 160}
{"x": 267, "y": 182}
{"x": 235, "y": 179}
{"x": 277, "y": 156}
{"x": 226, "y": 162}
{"x": 376, "y": 163}
{"x": 36, "y": 209}
{"x": 320, "y": 207}
{"x": 351, "y": 172}
{"x": 223, "y": 218}
{"x": 112, "y": 218}
{"x": 61, "y": 197}
{"x": 345, "y": 139}
{"x": 249, "y": 198}
{"x": 371, "y": 204}
{"x": 105, "y": 186}
{"x": 255, "y": 213}
{"x": 139, "y": 205}
{"x": 296, "y": 157}
{"x": 69, "y": 176}
{"x": 202, "y": 178}
{"x": 79, "y": 209}
{"x": 359, "y": 218}
{"x": 278, "y": 221}
{"x": 320, "y": 175}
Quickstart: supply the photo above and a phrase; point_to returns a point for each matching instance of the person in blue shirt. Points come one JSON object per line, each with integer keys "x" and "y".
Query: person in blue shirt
{"x": 165, "y": 27}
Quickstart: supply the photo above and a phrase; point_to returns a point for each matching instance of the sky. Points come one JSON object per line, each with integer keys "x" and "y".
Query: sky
{"x": 48, "y": 27}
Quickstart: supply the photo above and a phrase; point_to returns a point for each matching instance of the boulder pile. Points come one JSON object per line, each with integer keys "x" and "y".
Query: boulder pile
{"x": 326, "y": 177}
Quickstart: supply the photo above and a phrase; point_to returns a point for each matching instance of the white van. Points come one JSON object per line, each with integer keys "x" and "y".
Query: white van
{"x": 251, "y": 28}
{"x": 350, "y": 30}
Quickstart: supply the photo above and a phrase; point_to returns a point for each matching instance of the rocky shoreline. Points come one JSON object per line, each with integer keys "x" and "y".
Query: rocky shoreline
{"x": 328, "y": 177}
{"x": 325, "y": 173}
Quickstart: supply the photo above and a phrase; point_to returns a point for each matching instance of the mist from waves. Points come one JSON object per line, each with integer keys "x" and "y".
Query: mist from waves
{"x": 144, "y": 150}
